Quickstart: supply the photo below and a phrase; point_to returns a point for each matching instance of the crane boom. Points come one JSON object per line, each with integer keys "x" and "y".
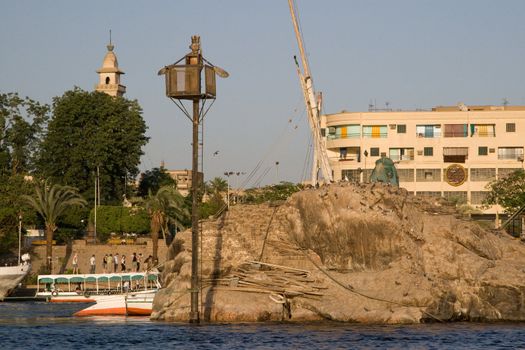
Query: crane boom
{"x": 320, "y": 156}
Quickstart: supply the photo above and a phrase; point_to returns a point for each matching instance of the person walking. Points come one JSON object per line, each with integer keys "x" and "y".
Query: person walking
{"x": 104, "y": 263}
{"x": 123, "y": 263}
{"x": 134, "y": 262}
{"x": 75, "y": 264}
{"x": 109, "y": 262}
{"x": 139, "y": 260}
{"x": 115, "y": 263}
{"x": 92, "y": 264}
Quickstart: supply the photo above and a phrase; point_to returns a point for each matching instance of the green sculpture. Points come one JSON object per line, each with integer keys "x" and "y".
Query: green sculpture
{"x": 385, "y": 171}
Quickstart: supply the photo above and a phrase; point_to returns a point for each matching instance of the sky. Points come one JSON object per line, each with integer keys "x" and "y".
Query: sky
{"x": 407, "y": 53}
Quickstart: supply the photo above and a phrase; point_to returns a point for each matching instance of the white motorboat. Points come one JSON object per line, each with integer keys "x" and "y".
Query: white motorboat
{"x": 129, "y": 304}
{"x": 11, "y": 276}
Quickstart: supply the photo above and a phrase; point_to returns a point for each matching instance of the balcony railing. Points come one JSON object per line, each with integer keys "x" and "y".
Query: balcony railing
{"x": 515, "y": 156}
{"x": 455, "y": 134}
{"x": 381, "y": 135}
{"x": 346, "y": 136}
{"x": 397, "y": 158}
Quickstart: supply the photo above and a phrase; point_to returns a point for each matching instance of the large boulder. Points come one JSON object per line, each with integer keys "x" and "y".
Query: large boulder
{"x": 368, "y": 253}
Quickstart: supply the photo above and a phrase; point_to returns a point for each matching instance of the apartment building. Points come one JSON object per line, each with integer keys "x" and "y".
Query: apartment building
{"x": 453, "y": 152}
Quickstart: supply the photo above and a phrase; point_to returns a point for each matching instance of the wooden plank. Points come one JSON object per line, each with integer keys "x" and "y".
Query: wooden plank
{"x": 278, "y": 266}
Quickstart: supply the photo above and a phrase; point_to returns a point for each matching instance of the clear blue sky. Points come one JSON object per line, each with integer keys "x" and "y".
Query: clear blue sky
{"x": 411, "y": 53}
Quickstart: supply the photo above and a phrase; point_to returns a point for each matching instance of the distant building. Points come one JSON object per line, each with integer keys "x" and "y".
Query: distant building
{"x": 109, "y": 75}
{"x": 451, "y": 152}
{"x": 183, "y": 178}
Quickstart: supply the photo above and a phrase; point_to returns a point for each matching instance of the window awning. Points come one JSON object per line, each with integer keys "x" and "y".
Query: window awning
{"x": 455, "y": 151}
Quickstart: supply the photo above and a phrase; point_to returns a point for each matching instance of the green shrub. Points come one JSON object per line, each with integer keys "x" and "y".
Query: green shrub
{"x": 120, "y": 219}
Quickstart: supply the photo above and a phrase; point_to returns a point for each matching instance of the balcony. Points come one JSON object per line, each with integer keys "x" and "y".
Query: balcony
{"x": 482, "y": 130}
{"x": 456, "y": 130}
{"x": 399, "y": 154}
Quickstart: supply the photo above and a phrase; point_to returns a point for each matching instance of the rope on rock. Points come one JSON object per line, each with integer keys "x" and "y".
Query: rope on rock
{"x": 268, "y": 232}
{"x": 352, "y": 290}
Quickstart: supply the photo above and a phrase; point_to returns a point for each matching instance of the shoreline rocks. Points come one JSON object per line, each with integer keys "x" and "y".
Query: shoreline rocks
{"x": 371, "y": 253}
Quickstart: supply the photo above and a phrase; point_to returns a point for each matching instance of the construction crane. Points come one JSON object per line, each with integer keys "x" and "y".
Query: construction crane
{"x": 320, "y": 163}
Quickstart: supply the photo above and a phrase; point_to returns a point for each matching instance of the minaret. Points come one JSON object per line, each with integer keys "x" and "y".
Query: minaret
{"x": 109, "y": 74}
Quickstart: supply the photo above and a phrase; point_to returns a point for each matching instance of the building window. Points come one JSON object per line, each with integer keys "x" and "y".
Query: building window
{"x": 458, "y": 197}
{"x": 342, "y": 153}
{"x": 374, "y": 152}
{"x": 375, "y": 131}
{"x": 455, "y": 154}
{"x": 401, "y": 128}
{"x": 510, "y": 152}
{"x": 366, "y": 175}
{"x": 428, "y": 175}
{"x": 504, "y": 172}
{"x": 482, "y": 130}
{"x": 456, "y": 130}
{"x": 405, "y": 175}
{"x": 428, "y": 131}
{"x": 429, "y": 194}
{"x": 107, "y": 80}
{"x": 482, "y": 174}
{"x": 351, "y": 175}
{"x": 428, "y": 151}
{"x": 477, "y": 197}
{"x": 344, "y": 132}
{"x": 397, "y": 154}
{"x": 483, "y": 151}
{"x": 511, "y": 127}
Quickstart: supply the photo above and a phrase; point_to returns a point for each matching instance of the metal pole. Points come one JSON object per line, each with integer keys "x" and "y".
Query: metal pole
{"x": 95, "y": 213}
{"x": 194, "y": 313}
{"x": 228, "y": 191}
{"x": 19, "y": 239}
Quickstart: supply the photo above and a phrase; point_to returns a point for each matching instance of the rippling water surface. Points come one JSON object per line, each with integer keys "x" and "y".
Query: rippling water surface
{"x": 32, "y": 325}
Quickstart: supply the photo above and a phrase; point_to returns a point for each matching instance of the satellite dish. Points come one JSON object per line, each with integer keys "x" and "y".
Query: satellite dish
{"x": 220, "y": 72}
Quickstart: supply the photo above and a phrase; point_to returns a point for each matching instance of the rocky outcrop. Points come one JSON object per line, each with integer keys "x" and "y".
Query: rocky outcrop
{"x": 357, "y": 253}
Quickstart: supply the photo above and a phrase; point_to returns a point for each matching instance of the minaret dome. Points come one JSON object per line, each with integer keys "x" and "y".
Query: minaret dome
{"x": 109, "y": 74}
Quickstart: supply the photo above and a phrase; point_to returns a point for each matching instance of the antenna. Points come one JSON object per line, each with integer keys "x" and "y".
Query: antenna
{"x": 110, "y": 37}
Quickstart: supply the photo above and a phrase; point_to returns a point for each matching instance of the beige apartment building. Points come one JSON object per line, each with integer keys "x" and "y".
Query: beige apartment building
{"x": 183, "y": 179}
{"x": 453, "y": 152}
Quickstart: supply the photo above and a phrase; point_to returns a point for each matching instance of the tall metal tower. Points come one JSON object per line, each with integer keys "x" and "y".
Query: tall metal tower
{"x": 185, "y": 82}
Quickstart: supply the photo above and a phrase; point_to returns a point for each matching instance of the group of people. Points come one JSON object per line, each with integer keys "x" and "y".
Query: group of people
{"x": 113, "y": 263}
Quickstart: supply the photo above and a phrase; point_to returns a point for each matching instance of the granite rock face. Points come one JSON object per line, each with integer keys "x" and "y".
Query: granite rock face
{"x": 367, "y": 253}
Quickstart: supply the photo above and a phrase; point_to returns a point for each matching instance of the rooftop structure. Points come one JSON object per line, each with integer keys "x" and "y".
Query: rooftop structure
{"x": 109, "y": 74}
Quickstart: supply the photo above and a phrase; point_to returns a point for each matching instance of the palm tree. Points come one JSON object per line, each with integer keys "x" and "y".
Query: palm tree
{"x": 216, "y": 186}
{"x": 165, "y": 207}
{"x": 50, "y": 201}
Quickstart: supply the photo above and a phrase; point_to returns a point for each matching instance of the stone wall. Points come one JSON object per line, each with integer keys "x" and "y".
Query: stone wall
{"x": 63, "y": 256}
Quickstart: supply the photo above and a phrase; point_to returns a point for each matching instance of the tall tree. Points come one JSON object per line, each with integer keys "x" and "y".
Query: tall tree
{"x": 165, "y": 207}
{"x": 91, "y": 130}
{"x": 51, "y": 201}
{"x": 152, "y": 180}
{"x": 22, "y": 124}
{"x": 509, "y": 192}
{"x": 216, "y": 186}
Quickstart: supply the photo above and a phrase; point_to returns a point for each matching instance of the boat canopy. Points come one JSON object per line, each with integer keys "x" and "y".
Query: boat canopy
{"x": 99, "y": 277}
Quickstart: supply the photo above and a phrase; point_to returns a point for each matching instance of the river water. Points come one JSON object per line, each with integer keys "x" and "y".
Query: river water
{"x": 39, "y": 325}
